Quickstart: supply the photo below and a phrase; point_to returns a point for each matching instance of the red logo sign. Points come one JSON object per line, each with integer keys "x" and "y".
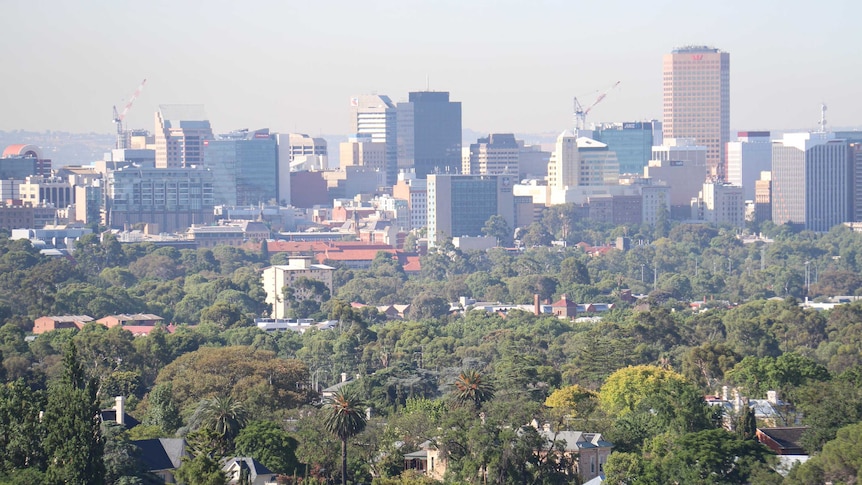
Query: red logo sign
{"x": 696, "y": 57}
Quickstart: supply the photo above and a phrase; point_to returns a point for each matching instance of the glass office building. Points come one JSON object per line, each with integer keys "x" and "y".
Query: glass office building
{"x": 632, "y": 142}
{"x": 244, "y": 166}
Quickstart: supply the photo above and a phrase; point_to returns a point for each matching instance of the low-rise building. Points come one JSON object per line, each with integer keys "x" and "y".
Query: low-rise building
{"x": 49, "y": 323}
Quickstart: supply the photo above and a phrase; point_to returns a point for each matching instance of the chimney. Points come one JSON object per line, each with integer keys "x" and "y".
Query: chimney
{"x": 537, "y": 309}
{"x": 724, "y": 395}
{"x": 546, "y": 427}
{"x": 737, "y": 400}
{"x": 344, "y": 377}
{"x": 772, "y": 397}
{"x": 120, "y": 408}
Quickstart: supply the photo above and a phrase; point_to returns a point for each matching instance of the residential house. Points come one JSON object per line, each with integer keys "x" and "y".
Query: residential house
{"x": 117, "y": 414}
{"x": 588, "y": 451}
{"x": 565, "y": 308}
{"x": 162, "y": 456}
{"x": 784, "y": 440}
{"x": 48, "y": 323}
{"x": 247, "y": 471}
{"x": 426, "y": 460}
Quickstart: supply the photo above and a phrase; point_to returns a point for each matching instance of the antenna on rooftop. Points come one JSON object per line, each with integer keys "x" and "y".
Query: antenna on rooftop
{"x": 822, "y": 122}
{"x": 427, "y": 82}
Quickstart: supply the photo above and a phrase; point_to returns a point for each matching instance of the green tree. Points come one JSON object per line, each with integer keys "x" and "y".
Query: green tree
{"x": 839, "y": 462}
{"x": 345, "y": 418}
{"x": 222, "y": 415}
{"x": 267, "y": 442}
{"x": 473, "y": 389}
{"x": 200, "y": 470}
{"x": 497, "y": 227}
{"x": 73, "y": 443}
{"x": 21, "y": 429}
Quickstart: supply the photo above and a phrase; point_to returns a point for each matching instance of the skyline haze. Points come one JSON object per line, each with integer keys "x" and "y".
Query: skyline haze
{"x": 515, "y": 67}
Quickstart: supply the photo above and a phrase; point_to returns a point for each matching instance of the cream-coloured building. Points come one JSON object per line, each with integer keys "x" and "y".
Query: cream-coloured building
{"x": 276, "y": 278}
{"x": 495, "y": 154}
{"x": 720, "y": 203}
{"x": 696, "y": 82}
{"x": 181, "y": 132}
{"x": 361, "y": 151}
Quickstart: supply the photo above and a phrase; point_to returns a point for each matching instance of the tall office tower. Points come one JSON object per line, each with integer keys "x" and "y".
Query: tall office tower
{"x": 429, "y": 133}
{"x": 854, "y": 138}
{"x": 244, "y": 166}
{"x": 631, "y": 141}
{"x": 812, "y": 180}
{"x": 582, "y": 161}
{"x": 746, "y": 158}
{"x": 375, "y": 115}
{"x": 697, "y": 100}
{"x": 495, "y": 154}
{"x": 459, "y": 205}
{"x": 181, "y": 130}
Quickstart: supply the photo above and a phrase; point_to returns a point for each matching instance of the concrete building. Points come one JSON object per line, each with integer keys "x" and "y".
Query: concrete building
{"x": 308, "y": 189}
{"x": 244, "y": 166}
{"x": 812, "y": 180}
{"x": 696, "y": 82}
{"x": 582, "y": 162}
{"x": 377, "y": 115}
{"x": 415, "y": 192}
{"x": 632, "y": 141}
{"x": 361, "y": 151}
{"x": 655, "y": 200}
{"x": 459, "y": 205}
{"x": 173, "y": 199}
{"x": 49, "y": 323}
{"x": 763, "y": 197}
{"x": 276, "y": 278}
{"x": 684, "y": 179}
{"x": 719, "y": 203}
{"x": 429, "y": 133}
{"x": 495, "y": 154}
{"x": 299, "y": 147}
{"x": 681, "y": 149}
{"x": 180, "y": 133}
{"x": 23, "y": 159}
{"x": 747, "y": 157}
{"x": 532, "y": 161}
{"x": 57, "y": 191}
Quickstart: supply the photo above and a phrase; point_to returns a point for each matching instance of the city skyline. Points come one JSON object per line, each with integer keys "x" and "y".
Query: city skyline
{"x": 293, "y": 67}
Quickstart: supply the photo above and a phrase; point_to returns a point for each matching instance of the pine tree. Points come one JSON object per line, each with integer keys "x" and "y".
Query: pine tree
{"x": 73, "y": 444}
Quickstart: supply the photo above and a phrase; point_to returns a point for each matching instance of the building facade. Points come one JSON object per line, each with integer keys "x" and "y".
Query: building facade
{"x": 632, "y": 141}
{"x": 244, "y": 166}
{"x": 276, "y": 278}
{"x": 720, "y": 203}
{"x": 459, "y": 205}
{"x": 495, "y": 154}
{"x": 696, "y": 85}
{"x": 361, "y": 150}
{"x": 181, "y": 131}
{"x": 376, "y": 115}
{"x": 747, "y": 157}
{"x": 429, "y": 133}
{"x": 173, "y": 199}
{"x": 812, "y": 179}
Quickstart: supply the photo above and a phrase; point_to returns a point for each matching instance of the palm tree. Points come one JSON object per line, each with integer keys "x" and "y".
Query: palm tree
{"x": 471, "y": 387}
{"x": 345, "y": 418}
{"x": 222, "y": 415}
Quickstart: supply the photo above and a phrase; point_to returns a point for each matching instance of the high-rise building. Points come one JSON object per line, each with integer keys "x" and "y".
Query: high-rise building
{"x": 812, "y": 177}
{"x": 415, "y": 192}
{"x": 632, "y": 142}
{"x": 429, "y": 133}
{"x": 746, "y": 158}
{"x": 376, "y": 115}
{"x": 460, "y": 205}
{"x": 244, "y": 166}
{"x": 719, "y": 203}
{"x": 696, "y": 84}
{"x": 763, "y": 197}
{"x": 495, "y": 154}
{"x": 361, "y": 150}
{"x": 181, "y": 130}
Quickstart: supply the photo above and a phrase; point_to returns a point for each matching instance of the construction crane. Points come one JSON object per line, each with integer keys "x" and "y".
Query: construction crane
{"x": 119, "y": 117}
{"x": 581, "y": 113}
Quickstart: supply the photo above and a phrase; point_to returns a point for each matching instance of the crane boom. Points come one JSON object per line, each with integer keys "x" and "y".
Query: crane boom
{"x": 581, "y": 113}
{"x": 118, "y": 118}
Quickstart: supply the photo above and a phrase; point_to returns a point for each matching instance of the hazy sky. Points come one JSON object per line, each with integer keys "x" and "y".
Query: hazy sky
{"x": 515, "y": 66}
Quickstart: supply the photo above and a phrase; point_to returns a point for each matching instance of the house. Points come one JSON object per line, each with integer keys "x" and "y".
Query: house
{"x": 330, "y": 391}
{"x": 426, "y": 460}
{"x": 118, "y": 414}
{"x": 247, "y": 470}
{"x": 587, "y": 451}
{"x": 565, "y": 308}
{"x": 48, "y": 323}
{"x": 784, "y": 440}
{"x": 162, "y": 456}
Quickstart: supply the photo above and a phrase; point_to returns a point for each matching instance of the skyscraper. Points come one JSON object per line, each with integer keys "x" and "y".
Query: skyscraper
{"x": 632, "y": 141}
{"x": 459, "y": 205}
{"x": 181, "y": 130}
{"x": 812, "y": 177}
{"x": 696, "y": 85}
{"x": 429, "y": 133}
{"x": 747, "y": 157}
{"x": 376, "y": 115}
{"x": 244, "y": 166}
{"x": 495, "y": 154}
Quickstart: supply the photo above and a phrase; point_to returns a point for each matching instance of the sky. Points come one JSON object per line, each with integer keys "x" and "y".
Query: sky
{"x": 515, "y": 66}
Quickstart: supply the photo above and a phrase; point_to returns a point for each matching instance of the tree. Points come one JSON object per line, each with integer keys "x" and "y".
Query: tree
{"x": 73, "y": 443}
{"x": 270, "y": 445}
{"x": 21, "y": 429}
{"x": 200, "y": 470}
{"x": 497, "y": 227}
{"x": 839, "y": 462}
{"x": 472, "y": 388}
{"x": 222, "y": 415}
{"x": 345, "y": 418}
